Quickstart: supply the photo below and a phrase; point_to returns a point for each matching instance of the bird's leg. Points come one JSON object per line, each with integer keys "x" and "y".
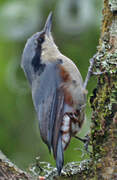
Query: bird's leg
{"x": 86, "y": 142}
{"x": 90, "y": 70}
{"x": 81, "y": 139}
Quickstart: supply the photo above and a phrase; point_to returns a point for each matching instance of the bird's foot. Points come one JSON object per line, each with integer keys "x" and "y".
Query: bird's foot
{"x": 98, "y": 73}
{"x": 92, "y": 63}
{"x": 86, "y": 142}
{"x": 90, "y": 70}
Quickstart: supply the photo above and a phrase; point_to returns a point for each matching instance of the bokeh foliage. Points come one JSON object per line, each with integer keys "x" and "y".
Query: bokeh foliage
{"x": 76, "y": 31}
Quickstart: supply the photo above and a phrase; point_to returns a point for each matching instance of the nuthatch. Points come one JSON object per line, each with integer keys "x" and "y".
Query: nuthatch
{"x": 58, "y": 92}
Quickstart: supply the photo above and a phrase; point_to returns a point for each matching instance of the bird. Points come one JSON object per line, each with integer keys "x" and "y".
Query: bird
{"x": 58, "y": 93}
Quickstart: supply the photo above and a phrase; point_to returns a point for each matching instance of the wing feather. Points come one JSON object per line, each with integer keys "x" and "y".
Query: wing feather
{"x": 57, "y": 124}
{"x": 49, "y": 102}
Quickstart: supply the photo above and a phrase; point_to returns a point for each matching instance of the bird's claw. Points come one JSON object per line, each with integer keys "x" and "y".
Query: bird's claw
{"x": 92, "y": 62}
{"x": 98, "y": 73}
{"x": 86, "y": 142}
{"x": 90, "y": 70}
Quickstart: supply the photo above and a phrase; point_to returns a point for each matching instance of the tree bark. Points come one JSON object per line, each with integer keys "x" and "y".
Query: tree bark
{"x": 103, "y": 162}
{"x": 9, "y": 171}
{"x": 104, "y": 99}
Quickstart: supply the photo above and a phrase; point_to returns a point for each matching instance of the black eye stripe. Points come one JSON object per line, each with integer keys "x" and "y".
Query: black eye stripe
{"x": 36, "y": 61}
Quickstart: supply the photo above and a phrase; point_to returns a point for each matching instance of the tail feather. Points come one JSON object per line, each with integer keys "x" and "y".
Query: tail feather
{"x": 60, "y": 156}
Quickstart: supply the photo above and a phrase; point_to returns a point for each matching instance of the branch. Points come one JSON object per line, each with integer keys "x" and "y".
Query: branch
{"x": 10, "y": 171}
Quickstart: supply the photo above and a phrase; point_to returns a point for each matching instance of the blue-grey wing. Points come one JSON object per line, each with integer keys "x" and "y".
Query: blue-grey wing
{"x": 48, "y": 99}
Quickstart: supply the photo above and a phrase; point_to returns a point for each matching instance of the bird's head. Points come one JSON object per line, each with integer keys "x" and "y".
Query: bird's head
{"x": 38, "y": 49}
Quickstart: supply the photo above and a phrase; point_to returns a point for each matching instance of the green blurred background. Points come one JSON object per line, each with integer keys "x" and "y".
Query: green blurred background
{"x": 76, "y": 30}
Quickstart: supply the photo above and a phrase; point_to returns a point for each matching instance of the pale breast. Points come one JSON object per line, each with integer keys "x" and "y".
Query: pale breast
{"x": 72, "y": 69}
{"x": 75, "y": 84}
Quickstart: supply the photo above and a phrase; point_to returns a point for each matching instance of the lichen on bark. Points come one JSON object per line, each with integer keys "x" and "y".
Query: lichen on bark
{"x": 104, "y": 99}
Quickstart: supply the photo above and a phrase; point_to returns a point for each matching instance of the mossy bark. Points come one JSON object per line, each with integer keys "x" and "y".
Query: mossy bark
{"x": 9, "y": 171}
{"x": 104, "y": 99}
{"x": 103, "y": 163}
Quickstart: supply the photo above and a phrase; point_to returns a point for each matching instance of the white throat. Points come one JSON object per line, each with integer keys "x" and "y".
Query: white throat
{"x": 50, "y": 51}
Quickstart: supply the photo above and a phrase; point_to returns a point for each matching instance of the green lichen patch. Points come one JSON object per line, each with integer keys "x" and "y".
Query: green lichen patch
{"x": 72, "y": 170}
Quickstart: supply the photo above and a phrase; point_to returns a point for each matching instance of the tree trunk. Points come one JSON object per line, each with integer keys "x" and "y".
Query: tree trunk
{"x": 104, "y": 99}
{"x": 103, "y": 163}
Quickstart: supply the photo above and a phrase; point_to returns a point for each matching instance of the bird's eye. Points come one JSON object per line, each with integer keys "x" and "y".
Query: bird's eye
{"x": 41, "y": 39}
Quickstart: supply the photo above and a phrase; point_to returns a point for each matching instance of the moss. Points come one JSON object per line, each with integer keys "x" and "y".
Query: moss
{"x": 107, "y": 20}
{"x": 104, "y": 98}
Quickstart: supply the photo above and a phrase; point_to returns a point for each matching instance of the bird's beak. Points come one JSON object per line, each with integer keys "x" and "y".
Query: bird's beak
{"x": 48, "y": 24}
